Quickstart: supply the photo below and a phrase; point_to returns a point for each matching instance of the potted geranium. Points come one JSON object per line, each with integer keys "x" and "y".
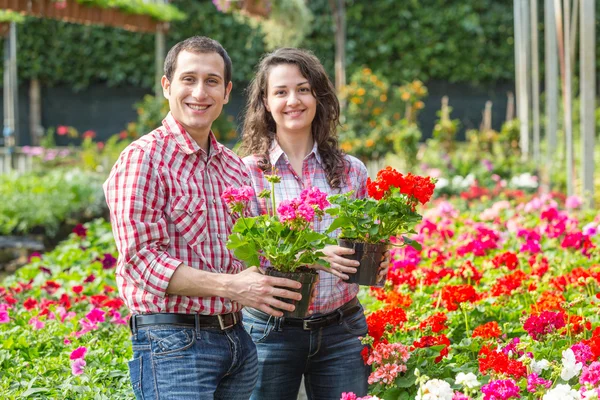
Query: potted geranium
{"x": 368, "y": 224}
{"x": 284, "y": 238}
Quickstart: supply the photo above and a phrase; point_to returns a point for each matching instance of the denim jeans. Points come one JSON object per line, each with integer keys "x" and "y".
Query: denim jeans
{"x": 173, "y": 362}
{"x": 329, "y": 358}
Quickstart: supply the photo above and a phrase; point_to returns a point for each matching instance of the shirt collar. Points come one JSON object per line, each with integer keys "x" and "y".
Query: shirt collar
{"x": 276, "y": 152}
{"x": 184, "y": 141}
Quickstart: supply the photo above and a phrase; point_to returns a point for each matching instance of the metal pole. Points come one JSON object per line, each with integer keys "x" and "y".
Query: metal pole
{"x": 10, "y": 92}
{"x": 159, "y": 59}
{"x": 567, "y": 98}
{"x": 550, "y": 83}
{"x": 535, "y": 82}
{"x": 587, "y": 83}
{"x": 521, "y": 34}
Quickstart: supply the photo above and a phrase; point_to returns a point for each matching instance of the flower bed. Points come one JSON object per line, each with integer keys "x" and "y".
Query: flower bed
{"x": 501, "y": 303}
{"x": 62, "y": 331}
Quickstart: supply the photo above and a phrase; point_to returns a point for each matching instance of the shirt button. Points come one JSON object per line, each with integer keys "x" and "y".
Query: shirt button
{"x": 219, "y": 236}
{"x": 214, "y": 201}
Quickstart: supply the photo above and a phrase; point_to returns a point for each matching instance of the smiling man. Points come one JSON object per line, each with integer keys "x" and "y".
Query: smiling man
{"x": 182, "y": 285}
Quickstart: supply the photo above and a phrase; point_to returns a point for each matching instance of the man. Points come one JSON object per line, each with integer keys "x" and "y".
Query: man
{"x": 183, "y": 286}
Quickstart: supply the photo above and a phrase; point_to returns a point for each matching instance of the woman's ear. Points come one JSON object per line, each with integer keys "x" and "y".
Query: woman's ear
{"x": 266, "y": 104}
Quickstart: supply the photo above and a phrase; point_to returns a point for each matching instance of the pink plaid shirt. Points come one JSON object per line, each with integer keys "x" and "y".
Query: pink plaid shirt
{"x": 333, "y": 292}
{"x": 164, "y": 196}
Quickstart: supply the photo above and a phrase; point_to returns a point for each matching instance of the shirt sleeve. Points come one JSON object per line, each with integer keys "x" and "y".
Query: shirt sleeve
{"x": 136, "y": 199}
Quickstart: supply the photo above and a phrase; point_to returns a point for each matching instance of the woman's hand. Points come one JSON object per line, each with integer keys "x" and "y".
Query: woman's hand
{"x": 384, "y": 266}
{"x": 339, "y": 266}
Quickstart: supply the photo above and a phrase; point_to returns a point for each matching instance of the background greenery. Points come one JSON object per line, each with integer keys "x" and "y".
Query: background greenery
{"x": 470, "y": 41}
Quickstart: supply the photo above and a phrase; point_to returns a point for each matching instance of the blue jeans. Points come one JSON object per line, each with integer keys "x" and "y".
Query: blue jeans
{"x": 180, "y": 363}
{"x": 329, "y": 358}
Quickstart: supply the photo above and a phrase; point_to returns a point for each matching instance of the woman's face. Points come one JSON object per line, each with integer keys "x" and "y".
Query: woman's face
{"x": 290, "y": 100}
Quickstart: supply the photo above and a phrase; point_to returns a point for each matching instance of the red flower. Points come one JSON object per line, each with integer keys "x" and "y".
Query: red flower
{"x": 77, "y": 289}
{"x": 382, "y": 320}
{"x": 487, "y": 331}
{"x": 62, "y": 130}
{"x": 50, "y": 287}
{"x": 506, "y": 284}
{"x": 89, "y": 134}
{"x": 510, "y": 260}
{"x": 30, "y": 303}
{"x": 538, "y": 326}
{"x": 437, "y": 322}
{"x": 453, "y": 295}
{"x": 80, "y": 230}
{"x": 500, "y": 363}
{"x": 428, "y": 341}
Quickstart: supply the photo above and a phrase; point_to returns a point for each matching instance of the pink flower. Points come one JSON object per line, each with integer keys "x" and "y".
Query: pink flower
{"x": 573, "y": 202}
{"x": 348, "y": 396}
{"x": 96, "y": 315}
{"x": 77, "y": 366}
{"x": 36, "y": 323}
{"x": 86, "y": 327}
{"x": 78, "y": 353}
{"x": 67, "y": 341}
{"x": 116, "y": 319}
{"x": 238, "y": 195}
{"x": 314, "y": 197}
{"x": 89, "y": 134}
{"x": 460, "y": 396}
{"x": 286, "y": 210}
{"x": 500, "y": 390}
{"x": 582, "y": 352}
{"x": 62, "y": 130}
{"x": 533, "y": 381}
{"x": 4, "y": 318}
{"x": 591, "y": 374}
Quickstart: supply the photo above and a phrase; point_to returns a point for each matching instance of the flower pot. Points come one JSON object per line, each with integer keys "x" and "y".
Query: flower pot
{"x": 309, "y": 279}
{"x": 369, "y": 256}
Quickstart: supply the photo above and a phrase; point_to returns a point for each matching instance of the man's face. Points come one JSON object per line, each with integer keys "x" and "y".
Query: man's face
{"x": 197, "y": 91}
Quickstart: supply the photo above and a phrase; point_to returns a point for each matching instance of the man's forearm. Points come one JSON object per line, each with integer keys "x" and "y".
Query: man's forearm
{"x": 187, "y": 281}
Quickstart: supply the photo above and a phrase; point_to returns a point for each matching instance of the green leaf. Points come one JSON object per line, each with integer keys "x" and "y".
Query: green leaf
{"x": 412, "y": 243}
{"x": 406, "y": 381}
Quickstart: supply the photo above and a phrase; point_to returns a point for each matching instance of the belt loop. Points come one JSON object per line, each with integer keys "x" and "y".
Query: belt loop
{"x": 340, "y": 315}
{"x": 132, "y": 324}
{"x": 279, "y": 324}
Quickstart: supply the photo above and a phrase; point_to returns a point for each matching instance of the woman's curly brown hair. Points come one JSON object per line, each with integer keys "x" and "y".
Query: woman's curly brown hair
{"x": 259, "y": 126}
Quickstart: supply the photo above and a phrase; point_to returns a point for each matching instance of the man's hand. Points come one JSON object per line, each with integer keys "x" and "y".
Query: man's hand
{"x": 340, "y": 266}
{"x": 254, "y": 289}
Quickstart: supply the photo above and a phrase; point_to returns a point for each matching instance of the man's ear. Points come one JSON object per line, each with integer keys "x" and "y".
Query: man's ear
{"x": 228, "y": 92}
{"x": 166, "y": 85}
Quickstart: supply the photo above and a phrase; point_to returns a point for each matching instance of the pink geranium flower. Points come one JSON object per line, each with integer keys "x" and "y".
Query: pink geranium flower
{"x": 4, "y": 318}
{"x": 96, "y": 315}
{"x": 78, "y": 353}
{"x": 36, "y": 324}
{"x": 77, "y": 366}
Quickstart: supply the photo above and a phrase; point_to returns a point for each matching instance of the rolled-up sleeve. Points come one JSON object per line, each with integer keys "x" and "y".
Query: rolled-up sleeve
{"x": 136, "y": 198}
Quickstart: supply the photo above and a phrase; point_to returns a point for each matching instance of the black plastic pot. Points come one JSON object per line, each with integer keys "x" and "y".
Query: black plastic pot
{"x": 309, "y": 279}
{"x": 370, "y": 257}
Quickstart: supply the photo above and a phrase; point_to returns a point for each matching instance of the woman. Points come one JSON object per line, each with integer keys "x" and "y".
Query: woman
{"x": 290, "y": 129}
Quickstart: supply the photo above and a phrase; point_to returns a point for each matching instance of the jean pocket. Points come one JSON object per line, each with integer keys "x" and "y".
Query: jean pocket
{"x": 166, "y": 342}
{"x": 258, "y": 329}
{"x": 135, "y": 375}
{"x": 356, "y": 324}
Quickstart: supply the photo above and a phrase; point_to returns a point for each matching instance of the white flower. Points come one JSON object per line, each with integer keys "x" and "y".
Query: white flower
{"x": 538, "y": 366}
{"x": 570, "y": 367}
{"x": 468, "y": 380}
{"x": 435, "y": 389}
{"x": 562, "y": 392}
{"x": 590, "y": 394}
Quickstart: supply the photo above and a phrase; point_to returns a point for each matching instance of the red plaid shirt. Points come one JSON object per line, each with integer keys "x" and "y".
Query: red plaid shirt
{"x": 333, "y": 292}
{"x": 164, "y": 196}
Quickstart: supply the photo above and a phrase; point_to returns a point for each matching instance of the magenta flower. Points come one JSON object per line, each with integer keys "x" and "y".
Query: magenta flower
{"x": 286, "y": 210}
{"x": 108, "y": 261}
{"x": 117, "y": 319}
{"x": 583, "y": 352}
{"x": 96, "y": 315}
{"x": 500, "y": 390}
{"x": 78, "y": 353}
{"x": 547, "y": 322}
{"x": 80, "y": 230}
{"x": 238, "y": 195}
{"x": 533, "y": 381}
{"x": 314, "y": 197}
{"x": 77, "y": 366}
{"x": 4, "y": 318}
{"x": 573, "y": 202}
{"x": 348, "y": 396}
{"x": 591, "y": 374}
